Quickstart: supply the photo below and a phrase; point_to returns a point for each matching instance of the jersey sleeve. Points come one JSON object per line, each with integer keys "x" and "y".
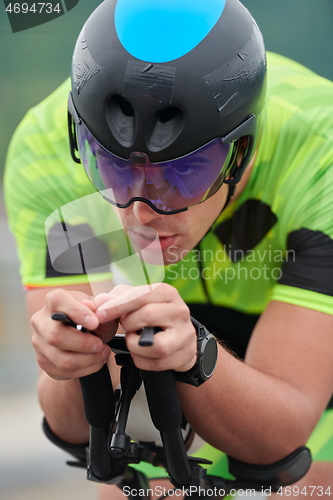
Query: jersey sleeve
{"x": 40, "y": 178}
{"x": 304, "y": 189}
{"x": 307, "y": 275}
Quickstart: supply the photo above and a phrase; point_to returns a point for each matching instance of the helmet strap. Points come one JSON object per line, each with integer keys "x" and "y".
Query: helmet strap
{"x": 231, "y": 192}
{"x": 73, "y": 139}
{"x": 72, "y": 120}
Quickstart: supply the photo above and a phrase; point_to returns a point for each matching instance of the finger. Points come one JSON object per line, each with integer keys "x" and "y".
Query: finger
{"x": 67, "y": 338}
{"x": 90, "y": 303}
{"x": 48, "y": 367}
{"x": 66, "y": 364}
{"x": 60, "y": 373}
{"x": 166, "y": 343}
{"x": 120, "y": 289}
{"x": 134, "y": 298}
{"x": 64, "y": 337}
{"x": 60, "y": 300}
{"x": 163, "y": 315}
{"x": 104, "y": 297}
{"x": 125, "y": 293}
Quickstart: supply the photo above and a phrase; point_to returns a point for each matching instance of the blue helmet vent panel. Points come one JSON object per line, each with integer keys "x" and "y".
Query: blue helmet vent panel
{"x": 159, "y": 31}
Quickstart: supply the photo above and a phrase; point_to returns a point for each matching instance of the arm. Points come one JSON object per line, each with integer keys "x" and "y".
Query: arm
{"x": 265, "y": 408}
{"x": 258, "y": 411}
{"x": 64, "y": 354}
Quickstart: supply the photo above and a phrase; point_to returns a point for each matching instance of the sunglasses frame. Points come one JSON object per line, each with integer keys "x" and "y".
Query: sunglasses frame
{"x": 235, "y": 171}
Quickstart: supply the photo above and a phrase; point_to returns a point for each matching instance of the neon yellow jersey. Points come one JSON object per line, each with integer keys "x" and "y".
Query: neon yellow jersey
{"x": 274, "y": 242}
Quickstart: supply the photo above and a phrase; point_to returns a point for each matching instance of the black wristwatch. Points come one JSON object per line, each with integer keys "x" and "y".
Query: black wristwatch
{"x": 206, "y": 358}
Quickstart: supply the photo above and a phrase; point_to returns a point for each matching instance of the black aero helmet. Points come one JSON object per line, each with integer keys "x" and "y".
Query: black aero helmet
{"x": 164, "y": 93}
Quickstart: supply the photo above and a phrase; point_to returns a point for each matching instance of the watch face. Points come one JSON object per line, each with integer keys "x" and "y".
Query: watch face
{"x": 209, "y": 357}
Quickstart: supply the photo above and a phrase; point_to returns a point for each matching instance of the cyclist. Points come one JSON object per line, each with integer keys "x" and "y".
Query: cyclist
{"x": 168, "y": 115}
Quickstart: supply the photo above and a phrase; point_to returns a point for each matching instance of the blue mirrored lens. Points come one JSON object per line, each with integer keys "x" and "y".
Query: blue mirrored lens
{"x": 169, "y": 186}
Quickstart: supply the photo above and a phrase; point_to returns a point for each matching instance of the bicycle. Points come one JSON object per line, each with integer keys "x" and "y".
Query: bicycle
{"x": 111, "y": 451}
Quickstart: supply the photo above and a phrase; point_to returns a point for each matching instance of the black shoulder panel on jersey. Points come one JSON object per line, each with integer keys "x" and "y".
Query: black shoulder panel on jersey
{"x": 248, "y": 226}
{"x": 311, "y": 267}
{"x": 91, "y": 254}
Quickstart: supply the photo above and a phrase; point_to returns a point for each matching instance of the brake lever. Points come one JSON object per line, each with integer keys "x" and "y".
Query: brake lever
{"x": 146, "y": 334}
{"x": 65, "y": 320}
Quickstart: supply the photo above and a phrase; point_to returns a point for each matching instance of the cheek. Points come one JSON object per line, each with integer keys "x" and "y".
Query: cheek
{"x": 201, "y": 217}
{"x": 205, "y": 214}
{"x": 125, "y": 215}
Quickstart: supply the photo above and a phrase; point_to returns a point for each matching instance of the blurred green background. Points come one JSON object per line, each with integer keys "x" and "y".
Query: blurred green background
{"x": 34, "y": 62}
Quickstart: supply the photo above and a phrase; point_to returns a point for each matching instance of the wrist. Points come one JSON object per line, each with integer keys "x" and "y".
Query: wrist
{"x": 206, "y": 358}
{"x": 189, "y": 365}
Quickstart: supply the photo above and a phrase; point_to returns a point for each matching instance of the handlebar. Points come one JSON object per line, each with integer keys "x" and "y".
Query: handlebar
{"x": 108, "y": 461}
{"x": 163, "y": 403}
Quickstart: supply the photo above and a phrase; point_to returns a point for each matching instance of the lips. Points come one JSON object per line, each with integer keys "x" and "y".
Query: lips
{"x": 144, "y": 237}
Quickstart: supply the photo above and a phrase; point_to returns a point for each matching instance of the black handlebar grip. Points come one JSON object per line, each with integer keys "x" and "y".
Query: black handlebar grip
{"x": 147, "y": 335}
{"x": 97, "y": 391}
{"x": 98, "y": 398}
{"x": 163, "y": 400}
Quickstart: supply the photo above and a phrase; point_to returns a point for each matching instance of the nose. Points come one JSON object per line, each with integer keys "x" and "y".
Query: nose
{"x": 144, "y": 213}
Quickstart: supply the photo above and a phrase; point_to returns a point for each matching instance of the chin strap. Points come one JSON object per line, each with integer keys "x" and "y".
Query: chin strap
{"x": 231, "y": 192}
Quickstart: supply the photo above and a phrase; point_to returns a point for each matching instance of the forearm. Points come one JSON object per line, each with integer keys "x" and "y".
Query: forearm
{"x": 248, "y": 414}
{"x": 62, "y": 404}
{"x": 64, "y": 354}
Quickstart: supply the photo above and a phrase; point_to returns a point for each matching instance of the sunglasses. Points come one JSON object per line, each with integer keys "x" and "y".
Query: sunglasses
{"x": 168, "y": 187}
